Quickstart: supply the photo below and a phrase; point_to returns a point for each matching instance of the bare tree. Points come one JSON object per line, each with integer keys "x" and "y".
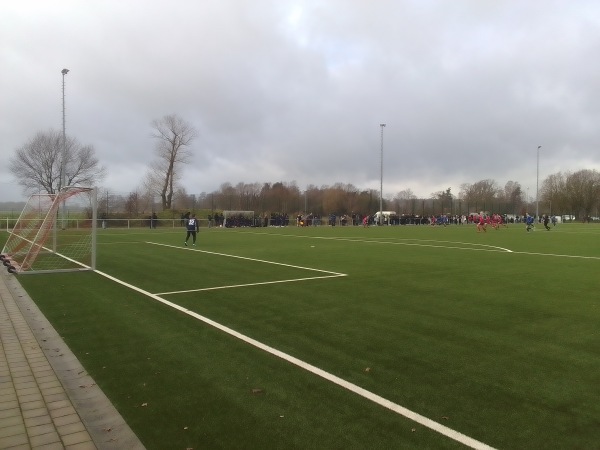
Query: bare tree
{"x": 406, "y": 194}
{"x": 554, "y": 193}
{"x": 511, "y": 197}
{"x": 444, "y": 198}
{"x": 37, "y": 164}
{"x": 443, "y": 195}
{"x": 512, "y": 193}
{"x": 132, "y": 204}
{"x": 583, "y": 190}
{"x": 482, "y": 192}
{"x": 182, "y": 200}
{"x": 403, "y": 201}
{"x": 173, "y": 135}
{"x": 248, "y": 195}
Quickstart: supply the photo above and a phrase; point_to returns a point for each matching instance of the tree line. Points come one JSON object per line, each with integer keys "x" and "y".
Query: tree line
{"x": 47, "y": 161}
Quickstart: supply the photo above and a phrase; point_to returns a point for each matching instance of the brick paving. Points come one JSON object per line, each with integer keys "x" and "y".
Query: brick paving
{"x": 47, "y": 399}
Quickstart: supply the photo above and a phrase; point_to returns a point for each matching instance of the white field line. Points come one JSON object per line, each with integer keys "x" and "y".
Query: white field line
{"x": 250, "y": 259}
{"x": 489, "y": 248}
{"x": 329, "y": 273}
{"x": 422, "y": 420}
{"x": 85, "y": 266}
{"x": 230, "y": 286}
{"x": 556, "y": 255}
{"x": 486, "y": 248}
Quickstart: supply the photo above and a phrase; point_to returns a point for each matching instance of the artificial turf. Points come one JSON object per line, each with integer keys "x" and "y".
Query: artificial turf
{"x": 493, "y": 334}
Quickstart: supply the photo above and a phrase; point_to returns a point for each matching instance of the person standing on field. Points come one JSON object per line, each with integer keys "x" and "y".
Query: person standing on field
{"x": 529, "y": 221}
{"x": 481, "y": 224}
{"x": 546, "y": 220}
{"x": 192, "y": 227}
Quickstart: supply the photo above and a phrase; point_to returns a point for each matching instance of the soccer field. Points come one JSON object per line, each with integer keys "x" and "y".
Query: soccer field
{"x": 341, "y": 337}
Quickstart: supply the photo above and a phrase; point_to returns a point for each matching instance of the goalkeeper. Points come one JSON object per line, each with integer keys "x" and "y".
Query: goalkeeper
{"x": 192, "y": 227}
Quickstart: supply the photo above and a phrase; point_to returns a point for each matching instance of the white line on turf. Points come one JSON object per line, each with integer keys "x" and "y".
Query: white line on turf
{"x": 250, "y": 259}
{"x": 556, "y": 255}
{"x": 419, "y": 243}
{"x": 484, "y": 248}
{"x": 292, "y": 280}
{"x": 418, "y": 418}
{"x": 330, "y": 274}
{"x": 490, "y": 248}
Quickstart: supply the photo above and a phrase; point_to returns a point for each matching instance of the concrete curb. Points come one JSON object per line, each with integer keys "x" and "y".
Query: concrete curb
{"x": 102, "y": 421}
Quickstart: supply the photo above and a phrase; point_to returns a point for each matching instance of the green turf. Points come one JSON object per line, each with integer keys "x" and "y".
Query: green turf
{"x": 494, "y": 335}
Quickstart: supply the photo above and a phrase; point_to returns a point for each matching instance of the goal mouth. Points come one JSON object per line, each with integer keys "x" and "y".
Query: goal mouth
{"x": 46, "y": 238}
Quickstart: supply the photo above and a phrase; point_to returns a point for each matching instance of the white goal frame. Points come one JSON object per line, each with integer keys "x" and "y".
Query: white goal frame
{"x": 36, "y": 245}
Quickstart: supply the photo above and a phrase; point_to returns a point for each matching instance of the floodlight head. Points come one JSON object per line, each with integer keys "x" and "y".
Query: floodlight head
{"x": 539, "y": 146}
{"x": 64, "y": 71}
{"x": 382, "y": 124}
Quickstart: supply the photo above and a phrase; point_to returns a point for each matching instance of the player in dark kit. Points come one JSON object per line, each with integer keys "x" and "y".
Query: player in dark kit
{"x": 192, "y": 226}
{"x": 546, "y": 220}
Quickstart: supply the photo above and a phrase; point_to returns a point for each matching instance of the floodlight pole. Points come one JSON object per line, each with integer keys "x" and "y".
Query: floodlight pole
{"x": 537, "y": 182}
{"x": 381, "y": 125}
{"x": 305, "y": 201}
{"x": 64, "y": 146}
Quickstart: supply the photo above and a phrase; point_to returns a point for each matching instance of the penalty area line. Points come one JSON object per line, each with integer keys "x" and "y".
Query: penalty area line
{"x": 292, "y": 280}
{"x": 250, "y": 259}
{"x": 418, "y": 418}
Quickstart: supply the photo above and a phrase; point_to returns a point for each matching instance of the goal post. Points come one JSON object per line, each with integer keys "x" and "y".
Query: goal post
{"x": 45, "y": 240}
{"x": 234, "y": 219}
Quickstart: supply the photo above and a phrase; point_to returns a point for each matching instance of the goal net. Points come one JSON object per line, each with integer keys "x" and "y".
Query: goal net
{"x": 234, "y": 219}
{"x": 54, "y": 233}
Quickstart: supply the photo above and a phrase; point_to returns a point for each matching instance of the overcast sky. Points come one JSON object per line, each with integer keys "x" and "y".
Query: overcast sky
{"x": 283, "y": 90}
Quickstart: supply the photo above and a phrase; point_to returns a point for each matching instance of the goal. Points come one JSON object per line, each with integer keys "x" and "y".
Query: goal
{"x": 54, "y": 233}
{"x": 233, "y": 219}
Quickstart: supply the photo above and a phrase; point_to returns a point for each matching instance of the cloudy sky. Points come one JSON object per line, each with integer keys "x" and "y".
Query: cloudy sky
{"x": 283, "y": 90}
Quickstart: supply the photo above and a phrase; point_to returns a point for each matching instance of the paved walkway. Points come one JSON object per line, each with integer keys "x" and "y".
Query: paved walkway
{"x": 47, "y": 399}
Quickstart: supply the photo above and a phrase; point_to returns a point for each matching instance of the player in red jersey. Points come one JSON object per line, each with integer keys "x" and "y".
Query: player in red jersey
{"x": 481, "y": 224}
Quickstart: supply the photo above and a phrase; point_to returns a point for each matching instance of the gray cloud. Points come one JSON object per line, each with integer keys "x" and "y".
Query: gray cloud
{"x": 295, "y": 91}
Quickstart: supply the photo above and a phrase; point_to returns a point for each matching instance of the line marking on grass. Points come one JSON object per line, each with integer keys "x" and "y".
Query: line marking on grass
{"x": 249, "y": 259}
{"x": 292, "y": 280}
{"x": 418, "y": 418}
{"x": 419, "y": 243}
{"x": 490, "y": 248}
{"x": 556, "y": 255}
